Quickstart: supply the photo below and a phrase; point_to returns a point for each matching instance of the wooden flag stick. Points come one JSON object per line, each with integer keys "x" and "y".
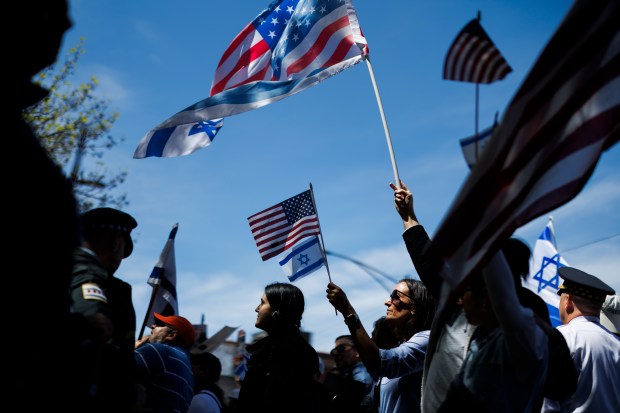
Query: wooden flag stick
{"x": 148, "y": 311}
{"x": 385, "y": 126}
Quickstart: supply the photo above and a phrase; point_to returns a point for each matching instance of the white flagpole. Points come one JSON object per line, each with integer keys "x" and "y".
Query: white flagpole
{"x": 385, "y": 126}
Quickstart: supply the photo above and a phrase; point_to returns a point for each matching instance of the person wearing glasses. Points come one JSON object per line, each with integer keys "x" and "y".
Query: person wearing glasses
{"x": 349, "y": 386}
{"x": 398, "y": 370}
{"x": 283, "y": 365}
{"x": 487, "y": 350}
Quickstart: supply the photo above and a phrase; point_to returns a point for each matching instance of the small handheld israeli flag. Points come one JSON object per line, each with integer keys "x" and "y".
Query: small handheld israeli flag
{"x": 303, "y": 259}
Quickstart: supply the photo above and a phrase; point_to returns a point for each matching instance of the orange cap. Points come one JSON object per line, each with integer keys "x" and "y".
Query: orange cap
{"x": 184, "y": 327}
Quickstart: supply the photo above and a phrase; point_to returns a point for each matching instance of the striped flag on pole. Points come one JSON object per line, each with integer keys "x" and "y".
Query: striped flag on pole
{"x": 289, "y": 47}
{"x": 565, "y": 114}
{"x": 163, "y": 279}
{"x": 279, "y": 227}
{"x": 473, "y": 57}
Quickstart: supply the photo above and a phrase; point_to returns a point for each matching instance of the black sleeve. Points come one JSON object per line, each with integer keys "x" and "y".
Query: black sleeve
{"x": 428, "y": 267}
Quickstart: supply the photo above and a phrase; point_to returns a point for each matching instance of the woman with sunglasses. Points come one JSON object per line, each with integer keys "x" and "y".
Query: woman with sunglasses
{"x": 398, "y": 370}
{"x": 471, "y": 361}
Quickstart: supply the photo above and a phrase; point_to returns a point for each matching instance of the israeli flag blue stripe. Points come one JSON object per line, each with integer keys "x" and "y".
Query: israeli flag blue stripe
{"x": 304, "y": 258}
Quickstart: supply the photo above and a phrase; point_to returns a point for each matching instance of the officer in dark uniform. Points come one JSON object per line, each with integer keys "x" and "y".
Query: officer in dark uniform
{"x": 105, "y": 302}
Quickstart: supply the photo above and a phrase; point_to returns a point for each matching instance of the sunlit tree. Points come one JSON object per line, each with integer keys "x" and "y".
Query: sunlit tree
{"x": 73, "y": 124}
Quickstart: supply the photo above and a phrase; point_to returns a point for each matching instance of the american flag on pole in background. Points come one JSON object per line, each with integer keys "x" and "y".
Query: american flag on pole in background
{"x": 473, "y": 57}
{"x": 544, "y": 279}
{"x": 289, "y": 47}
{"x": 565, "y": 114}
{"x": 163, "y": 279}
{"x": 277, "y": 228}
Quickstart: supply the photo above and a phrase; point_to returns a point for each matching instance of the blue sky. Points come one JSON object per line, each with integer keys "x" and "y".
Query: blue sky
{"x": 155, "y": 58}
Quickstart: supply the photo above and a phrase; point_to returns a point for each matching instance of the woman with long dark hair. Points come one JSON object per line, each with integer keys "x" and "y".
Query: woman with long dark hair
{"x": 397, "y": 370}
{"x": 282, "y": 365}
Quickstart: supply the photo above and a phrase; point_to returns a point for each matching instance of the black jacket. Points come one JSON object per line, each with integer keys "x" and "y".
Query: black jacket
{"x": 280, "y": 376}
{"x": 110, "y": 367}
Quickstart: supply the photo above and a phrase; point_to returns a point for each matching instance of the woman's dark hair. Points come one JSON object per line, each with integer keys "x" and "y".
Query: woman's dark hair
{"x": 209, "y": 364}
{"x": 517, "y": 255}
{"x": 383, "y": 334}
{"x": 288, "y": 301}
{"x": 424, "y": 306}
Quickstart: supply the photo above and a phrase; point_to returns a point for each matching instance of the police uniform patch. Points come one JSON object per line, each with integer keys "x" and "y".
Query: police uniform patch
{"x": 93, "y": 292}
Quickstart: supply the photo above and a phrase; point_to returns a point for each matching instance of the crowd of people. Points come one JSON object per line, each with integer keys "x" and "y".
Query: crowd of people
{"x": 487, "y": 346}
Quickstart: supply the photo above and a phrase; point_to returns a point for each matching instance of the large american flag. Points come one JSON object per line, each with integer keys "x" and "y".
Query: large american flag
{"x": 473, "y": 57}
{"x": 565, "y": 114}
{"x": 289, "y": 47}
{"x": 279, "y": 227}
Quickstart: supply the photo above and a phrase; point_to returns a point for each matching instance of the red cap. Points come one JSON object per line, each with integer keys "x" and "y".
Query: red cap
{"x": 184, "y": 327}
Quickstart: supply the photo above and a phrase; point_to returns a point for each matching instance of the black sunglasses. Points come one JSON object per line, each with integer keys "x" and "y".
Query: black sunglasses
{"x": 339, "y": 349}
{"x": 395, "y": 297}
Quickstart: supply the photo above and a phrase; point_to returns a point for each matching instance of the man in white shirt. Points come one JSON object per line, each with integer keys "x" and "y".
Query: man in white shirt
{"x": 594, "y": 349}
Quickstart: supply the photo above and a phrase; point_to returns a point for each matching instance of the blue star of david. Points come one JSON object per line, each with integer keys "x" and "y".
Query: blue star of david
{"x": 204, "y": 126}
{"x": 303, "y": 259}
{"x": 553, "y": 282}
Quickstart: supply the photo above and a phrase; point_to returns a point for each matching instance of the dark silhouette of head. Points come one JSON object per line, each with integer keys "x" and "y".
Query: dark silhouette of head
{"x": 36, "y": 40}
{"x": 288, "y": 301}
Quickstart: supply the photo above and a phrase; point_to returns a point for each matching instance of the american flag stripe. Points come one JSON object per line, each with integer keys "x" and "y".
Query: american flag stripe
{"x": 310, "y": 54}
{"x": 473, "y": 57}
{"x": 264, "y": 217}
{"x": 275, "y": 229}
{"x": 287, "y": 232}
{"x": 316, "y": 53}
{"x": 566, "y": 113}
{"x": 240, "y": 63}
{"x": 279, "y": 227}
{"x": 282, "y": 245}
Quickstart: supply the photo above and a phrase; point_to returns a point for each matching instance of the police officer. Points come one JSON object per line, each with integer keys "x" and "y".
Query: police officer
{"x": 105, "y": 302}
{"x": 594, "y": 350}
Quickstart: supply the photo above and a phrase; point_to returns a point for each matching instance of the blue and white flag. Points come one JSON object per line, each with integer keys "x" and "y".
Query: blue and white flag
{"x": 163, "y": 279}
{"x": 289, "y": 47}
{"x": 474, "y": 145}
{"x": 544, "y": 279}
{"x": 178, "y": 140}
{"x": 304, "y": 258}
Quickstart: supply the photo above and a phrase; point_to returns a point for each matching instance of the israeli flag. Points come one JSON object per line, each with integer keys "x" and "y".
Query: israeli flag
{"x": 168, "y": 142}
{"x": 544, "y": 279}
{"x": 304, "y": 258}
{"x": 474, "y": 145}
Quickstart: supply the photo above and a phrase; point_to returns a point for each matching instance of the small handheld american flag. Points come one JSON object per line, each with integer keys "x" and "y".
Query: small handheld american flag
{"x": 279, "y": 227}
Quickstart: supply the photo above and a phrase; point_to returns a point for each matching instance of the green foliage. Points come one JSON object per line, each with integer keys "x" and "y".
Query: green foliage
{"x": 73, "y": 124}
